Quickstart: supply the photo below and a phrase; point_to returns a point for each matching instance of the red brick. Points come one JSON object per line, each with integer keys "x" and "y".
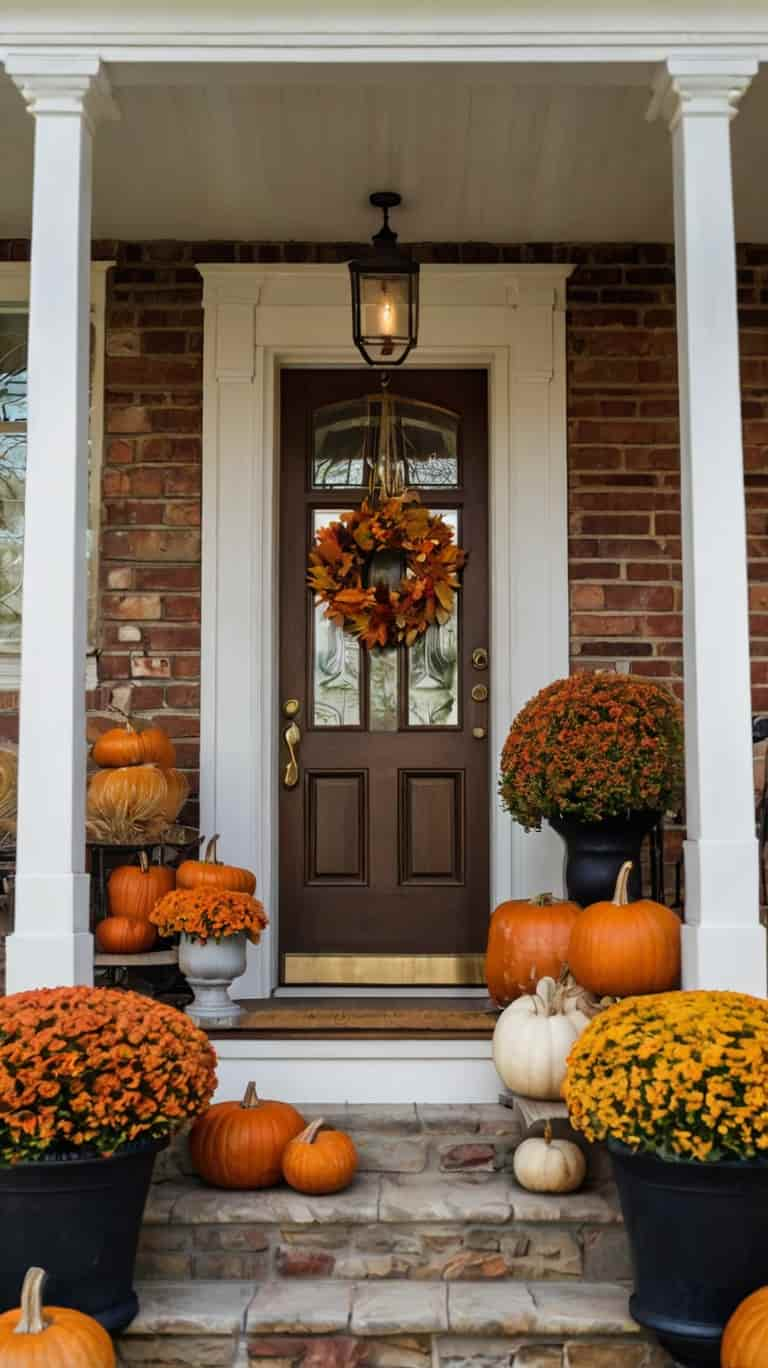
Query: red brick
{"x": 604, "y": 625}
{"x": 175, "y": 420}
{"x": 587, "y": 596}
{"x": 594, "y": 570}
{"x": 150, "y": 667}
{"x": 172, "y": 638}
{"x": 182, "y": 606}
{"x": 182, "y": 514}
{"x": 651, "y": 598}
{"x": 132, "y": 513}
{"x": 606, "y": 524}
{"x": 186, "y": 667}
{"x": 168, "y": 577}
{"x": 132, "y": 606}
{"x": 182, "y": 481}
{"x": 167, "y": 544}
{"x": 183, "y": 695}
{"x": 119, "y": 452}
{"x": 128, "y": 418}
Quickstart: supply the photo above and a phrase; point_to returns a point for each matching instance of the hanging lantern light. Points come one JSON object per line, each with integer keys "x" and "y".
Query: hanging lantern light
{"x": 385, "y": 295}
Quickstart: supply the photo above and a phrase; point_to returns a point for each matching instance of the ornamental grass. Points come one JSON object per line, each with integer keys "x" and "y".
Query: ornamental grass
{"x": 676, "y": 1075}
{"x": 593, "y": 746}
{"x": 209, "y": 914}
{"x": 87, "y": 1070}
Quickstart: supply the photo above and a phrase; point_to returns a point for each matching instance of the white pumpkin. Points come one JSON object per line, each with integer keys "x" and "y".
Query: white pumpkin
{"x": 533, "y": 1037}
{"x": 542, "y": 1164}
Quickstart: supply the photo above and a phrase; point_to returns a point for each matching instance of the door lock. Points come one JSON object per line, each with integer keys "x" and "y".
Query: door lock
{"x": 480, "y": 658}
{"x": 480, "y": 693}
{"x": 291, "y": 707}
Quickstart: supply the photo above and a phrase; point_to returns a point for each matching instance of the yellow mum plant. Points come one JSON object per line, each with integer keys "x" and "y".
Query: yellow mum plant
{"x": 677, "y": 1075}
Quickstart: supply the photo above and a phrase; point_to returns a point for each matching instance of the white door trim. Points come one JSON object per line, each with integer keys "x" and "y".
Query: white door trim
{"x": 509, "y": 320}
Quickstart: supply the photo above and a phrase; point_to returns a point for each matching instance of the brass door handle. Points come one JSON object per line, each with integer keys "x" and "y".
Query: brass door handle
{"x": 291, "y": 737}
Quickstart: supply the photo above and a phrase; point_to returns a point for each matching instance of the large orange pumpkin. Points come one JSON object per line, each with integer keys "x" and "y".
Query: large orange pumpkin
{"x": 319, "y": 1161}
{"x": 35, "y": 1336}
{"x": 133, "y": 890}
{"x": 241, "y": 1144}
{"x": 527, "y": 941}
{"x": 134, "y": 803}
{"x": 623, "y": 948}
{"x": 745, "y": 1342}
{"x": 124, "y": 936}
{"x": 209, "y": 873}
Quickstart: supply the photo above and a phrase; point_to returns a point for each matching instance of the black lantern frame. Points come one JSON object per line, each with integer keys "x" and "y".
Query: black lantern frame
{"x": 386, "y": 266}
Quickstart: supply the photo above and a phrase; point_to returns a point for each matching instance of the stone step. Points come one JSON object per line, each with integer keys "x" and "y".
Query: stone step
{"x": 397, "y": 1324}
{"x": 423, "y": 1227}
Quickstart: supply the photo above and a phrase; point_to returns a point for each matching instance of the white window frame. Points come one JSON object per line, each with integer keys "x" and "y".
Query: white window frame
{"x": 14, "y": 289}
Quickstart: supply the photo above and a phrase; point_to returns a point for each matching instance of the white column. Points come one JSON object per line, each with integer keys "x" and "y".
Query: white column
{"x": 723, "y": 942}
{"x": 51, "y": 943}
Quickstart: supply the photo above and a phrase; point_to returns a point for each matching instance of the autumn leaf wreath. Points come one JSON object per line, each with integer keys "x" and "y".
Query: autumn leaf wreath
{"x": 377, "y": 614}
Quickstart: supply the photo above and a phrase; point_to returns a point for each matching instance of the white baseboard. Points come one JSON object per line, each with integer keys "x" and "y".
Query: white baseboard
{"x": 337, "y": 1071}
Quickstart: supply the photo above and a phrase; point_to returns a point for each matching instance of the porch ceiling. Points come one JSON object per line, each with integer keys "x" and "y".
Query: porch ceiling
{"x": 487, "y": 153}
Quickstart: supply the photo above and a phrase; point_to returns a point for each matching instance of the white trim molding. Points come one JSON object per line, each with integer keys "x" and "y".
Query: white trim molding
{"x": 508, "y": 320}
{"x": 14, "y": 289}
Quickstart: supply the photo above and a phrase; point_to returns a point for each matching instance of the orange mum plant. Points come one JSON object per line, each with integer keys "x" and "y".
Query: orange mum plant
{"x": 87, "y": 1070}
{"x": 677, "y": 1075}
{"x": 593, "y": 746}
{"x": 376, "y": 614}
{"x": 209, "y": 913}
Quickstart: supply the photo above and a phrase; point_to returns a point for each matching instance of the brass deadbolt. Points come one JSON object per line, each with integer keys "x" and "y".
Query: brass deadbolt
{"x": 291, "y": 707}
{"x": 480, "y": 693}
{"x": 480, "y": 658}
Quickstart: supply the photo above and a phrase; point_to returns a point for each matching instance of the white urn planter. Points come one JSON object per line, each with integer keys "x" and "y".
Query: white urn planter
{"x": 210, "y": 967}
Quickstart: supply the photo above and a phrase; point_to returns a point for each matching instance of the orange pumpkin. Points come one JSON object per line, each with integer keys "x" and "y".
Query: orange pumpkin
{"x": 158, "y": 748}
{"x": 35, "y": 1336}
{"x": 132, "y": 804}
{"x": 124, "y": 936}
{"x": 241, "y": 1144}
{"x": 126, "y": 746}
{"x": 133, "y": 890}
{"x": 527, "y": 941}
{"x": 118, "y": 746}
{"x": 319, "y": 1161}
{"x": 177, "y": 793}
{"x": 745, "y": 1342}
{"x": 623, "y": 948}
{"x": 209, "y": 873}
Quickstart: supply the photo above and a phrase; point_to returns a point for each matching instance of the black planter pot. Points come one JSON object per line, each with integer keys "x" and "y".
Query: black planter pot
{"x": 699, "y": 1240}
{"x": 597, "y": 850}
{"x": 78, "y": 1219}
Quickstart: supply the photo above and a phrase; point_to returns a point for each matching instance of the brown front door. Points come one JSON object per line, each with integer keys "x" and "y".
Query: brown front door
{"x": 384, "y": 860}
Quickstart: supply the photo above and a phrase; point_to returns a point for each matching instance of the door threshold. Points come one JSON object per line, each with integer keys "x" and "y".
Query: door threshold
{"x": 366, "y": 1017}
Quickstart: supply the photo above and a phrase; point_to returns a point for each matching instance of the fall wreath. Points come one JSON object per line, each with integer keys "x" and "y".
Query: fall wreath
{"x": 342, "y": 571}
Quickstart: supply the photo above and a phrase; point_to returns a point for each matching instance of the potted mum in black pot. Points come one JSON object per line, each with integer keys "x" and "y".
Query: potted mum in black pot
{"x": 92, "y": 1082}
{"x": 677, "y": 1085}
{"x": 600, "y": 757}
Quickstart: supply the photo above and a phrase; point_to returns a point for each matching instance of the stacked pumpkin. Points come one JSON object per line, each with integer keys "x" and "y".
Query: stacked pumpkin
{"x": 132, "y": 892}
{"x": 552, "y": 967}
{"x": 253, "y": 1143}
{"x": 137, "y": 793}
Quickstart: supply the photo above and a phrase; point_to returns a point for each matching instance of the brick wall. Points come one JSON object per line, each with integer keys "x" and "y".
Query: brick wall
{"x": 623, "y": 462}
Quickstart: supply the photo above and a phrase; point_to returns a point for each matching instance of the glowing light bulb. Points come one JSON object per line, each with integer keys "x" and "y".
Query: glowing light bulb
{"x": 386, "y": 315}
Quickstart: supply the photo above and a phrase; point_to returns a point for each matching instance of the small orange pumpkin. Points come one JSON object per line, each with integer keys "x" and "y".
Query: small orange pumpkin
{"x": 209, "y": 873}
{"x": 124, "y": 936}
{"x": 34, "y": 1336}
{"x": 319, "y": 1161}
{"x": 527, "y": 941}
{"x": 241, "y": 1144}
{"x": 745, "y": 1342}
{"x": 623, "y": 948}
{"x": 118, "y": 746}
{"x": 126, "y": 746}
{"x": 133, "y": 890}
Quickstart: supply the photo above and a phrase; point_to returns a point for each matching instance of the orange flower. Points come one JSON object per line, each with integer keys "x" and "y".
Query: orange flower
{"x": 95, "y": 1067}
{"x": 593, "y": 746}
{"x": 209, "y": 913}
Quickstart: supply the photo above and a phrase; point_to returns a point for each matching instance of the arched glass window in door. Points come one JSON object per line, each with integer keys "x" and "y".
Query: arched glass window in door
{"x": 386, "y": 690}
